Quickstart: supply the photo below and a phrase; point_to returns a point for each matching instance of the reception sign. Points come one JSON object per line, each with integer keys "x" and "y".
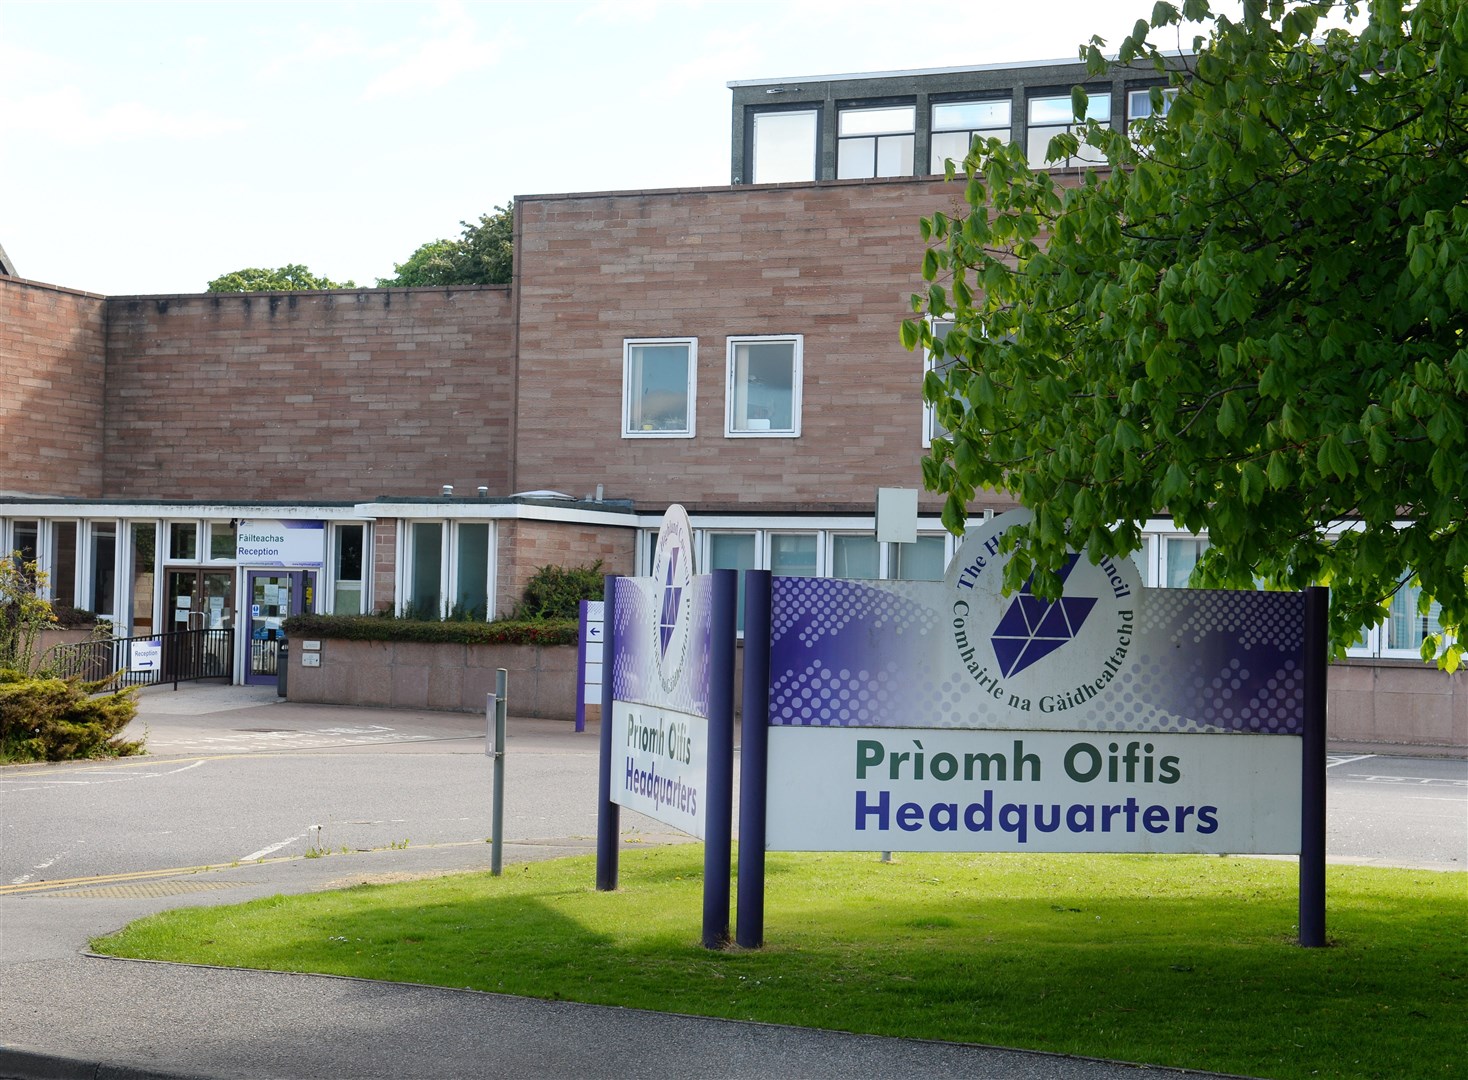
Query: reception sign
{"x": 281, "y": 543}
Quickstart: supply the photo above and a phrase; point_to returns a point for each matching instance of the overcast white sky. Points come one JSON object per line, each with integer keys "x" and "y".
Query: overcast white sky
{"x": 149, "y": 147}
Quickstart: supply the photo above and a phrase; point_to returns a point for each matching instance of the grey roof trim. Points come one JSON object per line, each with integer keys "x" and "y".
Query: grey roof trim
{"x": 7, "y": 268}
{"x": 908, "y": 72}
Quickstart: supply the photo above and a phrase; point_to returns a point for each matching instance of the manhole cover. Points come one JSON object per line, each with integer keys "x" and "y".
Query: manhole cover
{"x": 141, "y": 890}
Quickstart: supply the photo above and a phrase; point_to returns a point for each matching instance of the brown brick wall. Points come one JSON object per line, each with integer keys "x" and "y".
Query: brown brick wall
{"x": 526, "y": 546}
{"x": 835, "y": 262}
{"x": 384, "y": 564}
{"x": 52, "y": 380}
{"x": 332, "y": 395}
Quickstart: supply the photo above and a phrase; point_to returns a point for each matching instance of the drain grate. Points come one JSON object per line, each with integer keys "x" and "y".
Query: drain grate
{"x": 141, "y": 890}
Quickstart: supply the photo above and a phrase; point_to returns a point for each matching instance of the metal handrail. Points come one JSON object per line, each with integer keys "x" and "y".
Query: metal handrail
{"x": 184, "y": 656}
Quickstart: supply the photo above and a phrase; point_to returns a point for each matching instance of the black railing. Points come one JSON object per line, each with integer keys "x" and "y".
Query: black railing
{"x": 181, "y": 656}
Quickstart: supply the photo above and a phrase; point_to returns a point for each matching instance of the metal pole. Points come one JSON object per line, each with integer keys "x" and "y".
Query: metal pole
{"x": 718, "y": 841}
{"x": 1312, "y": 780}
{"x": 608, "y": 813}
{"x": 501, "y": 700}
{"x": 749, "y": 928}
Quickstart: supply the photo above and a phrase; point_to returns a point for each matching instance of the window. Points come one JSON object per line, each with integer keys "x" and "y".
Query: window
{"x": 471, "y": 577}
{"x": 793, "y": 554}
{"x": 1407, "y": 625}
{"x": 1052, "y": 116}
{"x": 183, "y": 541}
{"x": 103, "y": 562}
{"x": 140, "y": 594}
{"x": 63, "y": 562}
{"x": 1181, "y": 555}
{"x": 855, "y": 556}
{"x": 425, "y": 570}
{"x": 657, "y": 387}
{"x": 924, "y": 560}
{"x": 347, "y": 562}
{"x": 783, "y": 147}
{"x": 733, "y": 551}
{"x": 957, "y": 123}
{"x": 931, "y": 428}
{"x": 1139, "y": 104}
{"x": 25, "y": 538}
{"x": 764, "y": 386}
{"x": 875, "y": 142}
{"x": 223, "y": 540}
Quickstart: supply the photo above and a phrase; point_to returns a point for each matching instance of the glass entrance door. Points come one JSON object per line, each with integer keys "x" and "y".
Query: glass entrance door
{"x": 200, "y": 600}
{"x": 275, "y": 595}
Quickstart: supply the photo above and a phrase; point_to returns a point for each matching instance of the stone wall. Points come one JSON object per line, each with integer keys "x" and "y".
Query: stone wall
{"x": 341, "y": 395}
{"x": 53, "y": 375}
{"x": 834, "y": 262}
{"x": 1400, "y": 703}
{"x": 414, "y": 675}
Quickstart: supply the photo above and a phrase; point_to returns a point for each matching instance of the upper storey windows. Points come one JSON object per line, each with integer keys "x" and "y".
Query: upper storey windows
{"x": 909, "y": 123}
{"x": 1050, "y": 116}
{"x": 783, "y": 146}
{"x": 957, "y": 123}
{"x": 874, "y": 142}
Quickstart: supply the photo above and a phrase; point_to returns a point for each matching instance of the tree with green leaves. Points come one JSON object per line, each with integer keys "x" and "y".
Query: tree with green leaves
{"x": 292, "y": 277}
{"x": 483, "y": 255}
{"x": 1253, "y": 322}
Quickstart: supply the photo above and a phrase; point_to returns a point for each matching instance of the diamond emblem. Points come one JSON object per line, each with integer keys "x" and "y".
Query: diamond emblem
{"x": 1032, "y": 628}
{"x": 672, "y": 594}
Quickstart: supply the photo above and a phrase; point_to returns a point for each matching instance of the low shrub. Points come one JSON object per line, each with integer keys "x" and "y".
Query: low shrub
{"x": 556, "y": 592}
{"x": 51, "y": 719}
{"x": 377, "y": 628}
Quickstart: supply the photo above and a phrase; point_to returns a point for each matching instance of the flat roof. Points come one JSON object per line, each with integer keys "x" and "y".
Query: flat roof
{"x": 907, "y": 72}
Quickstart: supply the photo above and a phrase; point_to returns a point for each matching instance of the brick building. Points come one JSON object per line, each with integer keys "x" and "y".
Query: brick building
{"x": 222, "y": 460}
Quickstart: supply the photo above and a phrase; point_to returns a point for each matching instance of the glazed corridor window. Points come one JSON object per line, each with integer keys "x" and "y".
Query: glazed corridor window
{"x": 1139, "y": 104}
{"x": 657, "y": 388}
{"x": 764, "y": 386}
{"x": 875, "y": 142}
{"x": 957, "y": 123}
{"x": 1052, "y": 116}
{"x": 783, "y": 147}
{"x": 931, "y": 428}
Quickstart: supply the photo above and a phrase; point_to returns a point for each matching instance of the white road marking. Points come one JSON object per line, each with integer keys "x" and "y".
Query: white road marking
{"x": 273, "y": 848}
{"x": 1332, "y": 762}
{"x": 112, "y": 776}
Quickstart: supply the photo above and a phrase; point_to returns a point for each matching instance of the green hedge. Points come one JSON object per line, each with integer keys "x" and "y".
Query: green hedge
{"x": 378, "y": 628}
{"x": 49, "y": 719}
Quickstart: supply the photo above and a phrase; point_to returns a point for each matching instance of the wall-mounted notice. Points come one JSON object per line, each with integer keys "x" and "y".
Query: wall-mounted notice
{"x": 281, "y": 543}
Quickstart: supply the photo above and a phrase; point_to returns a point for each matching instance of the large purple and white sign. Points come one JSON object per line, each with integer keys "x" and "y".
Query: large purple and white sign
{"x": 1116, "y": 718}
{"x": 1108, "y": 656}
{"x": 660, "y": 685}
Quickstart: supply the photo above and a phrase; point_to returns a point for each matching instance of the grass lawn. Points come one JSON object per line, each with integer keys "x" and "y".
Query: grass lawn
{"x": 1176, "y": 960}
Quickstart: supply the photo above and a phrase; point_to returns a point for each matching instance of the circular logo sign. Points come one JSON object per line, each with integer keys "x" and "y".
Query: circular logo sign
{"x": 1031, "y": 654}
{"x": 672, "y": 570}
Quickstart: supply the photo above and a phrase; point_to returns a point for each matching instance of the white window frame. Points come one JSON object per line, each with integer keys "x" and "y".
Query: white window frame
{"x": 1005, "y": 132}
{"x": 845, "y": 140}
{"x": 797, "y": 354}
{"x": 776, "y": 174}
{"x": 1169, "y": 95}
{"x": 1081, "y": 159}
{"x": 628, "y": 344}
{"x": 333, "y": 557}
{"x": 818, "y": 548}
{"x": 930, "y": 414}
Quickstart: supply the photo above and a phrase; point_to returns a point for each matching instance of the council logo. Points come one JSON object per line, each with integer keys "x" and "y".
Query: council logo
{"x": 672, "y": 570}
{"x": 1029, "y": 654}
